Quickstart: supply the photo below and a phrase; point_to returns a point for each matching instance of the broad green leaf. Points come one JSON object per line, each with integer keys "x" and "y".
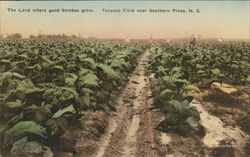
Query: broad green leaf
{"x": 181, "y": 80}
{"x": 108, "y": 71}
{"x": 60, "y": 112}
{"x": 166, "y": 91}
{"x": 21, "y": 129}
{"x": 90, "y": 61}
{"x": 199, "y": 66}
{"x": 86, "y": 91}
{"x": 86, "y": 99}
{"x": 5, "y": 65}
{"x": 215, "y": 71}
{"x": 191, "y": 87}
{"x": 90, "y": 80}
{"x": 70, "y": 79}
{"x": 84, "y": 71}
{"x": 57, "y": 68}
{"x": 14, "y": 104}
{"x": 161, "y": 69}
{"x": 120, "y": 63}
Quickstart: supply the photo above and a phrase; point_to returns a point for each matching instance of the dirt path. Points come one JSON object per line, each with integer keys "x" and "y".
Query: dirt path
{"x": 132, "y": 121}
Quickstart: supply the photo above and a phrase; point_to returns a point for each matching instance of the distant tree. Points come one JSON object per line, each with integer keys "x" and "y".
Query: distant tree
{"x": 64, "y": 36}
{"x": 51, "y": 36}
{"x": 14, "y": 36}
{"x": 32, "y": 36}
{"x": 40, "y": 36}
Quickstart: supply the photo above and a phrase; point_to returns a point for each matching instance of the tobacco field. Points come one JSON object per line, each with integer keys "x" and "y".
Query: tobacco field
{"x": 109, "y": 98}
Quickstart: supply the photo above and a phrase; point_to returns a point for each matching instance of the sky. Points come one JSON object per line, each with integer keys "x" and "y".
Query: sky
{"x": 226, "y": 19}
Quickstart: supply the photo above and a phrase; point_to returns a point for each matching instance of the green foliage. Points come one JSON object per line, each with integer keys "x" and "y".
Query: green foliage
{"x": 90, "y": 80}
{"x": 108, "y": 71}
{"x": 59, "y": 113}
{"x": 22, "y": 129}
{"x": 44, "y": 84}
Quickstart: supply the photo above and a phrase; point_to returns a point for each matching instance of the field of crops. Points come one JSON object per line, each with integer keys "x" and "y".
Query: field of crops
{"x": 43, "y": 80}
{"x": 177, "y": 67}
{"x": 103, "y": 98}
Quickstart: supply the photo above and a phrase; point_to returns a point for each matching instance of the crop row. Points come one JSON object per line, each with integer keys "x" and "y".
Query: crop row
{"x": 46, "y": 83}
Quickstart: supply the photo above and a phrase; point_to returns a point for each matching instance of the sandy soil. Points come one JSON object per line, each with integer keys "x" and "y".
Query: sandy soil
{"x": 228, "y": 115}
